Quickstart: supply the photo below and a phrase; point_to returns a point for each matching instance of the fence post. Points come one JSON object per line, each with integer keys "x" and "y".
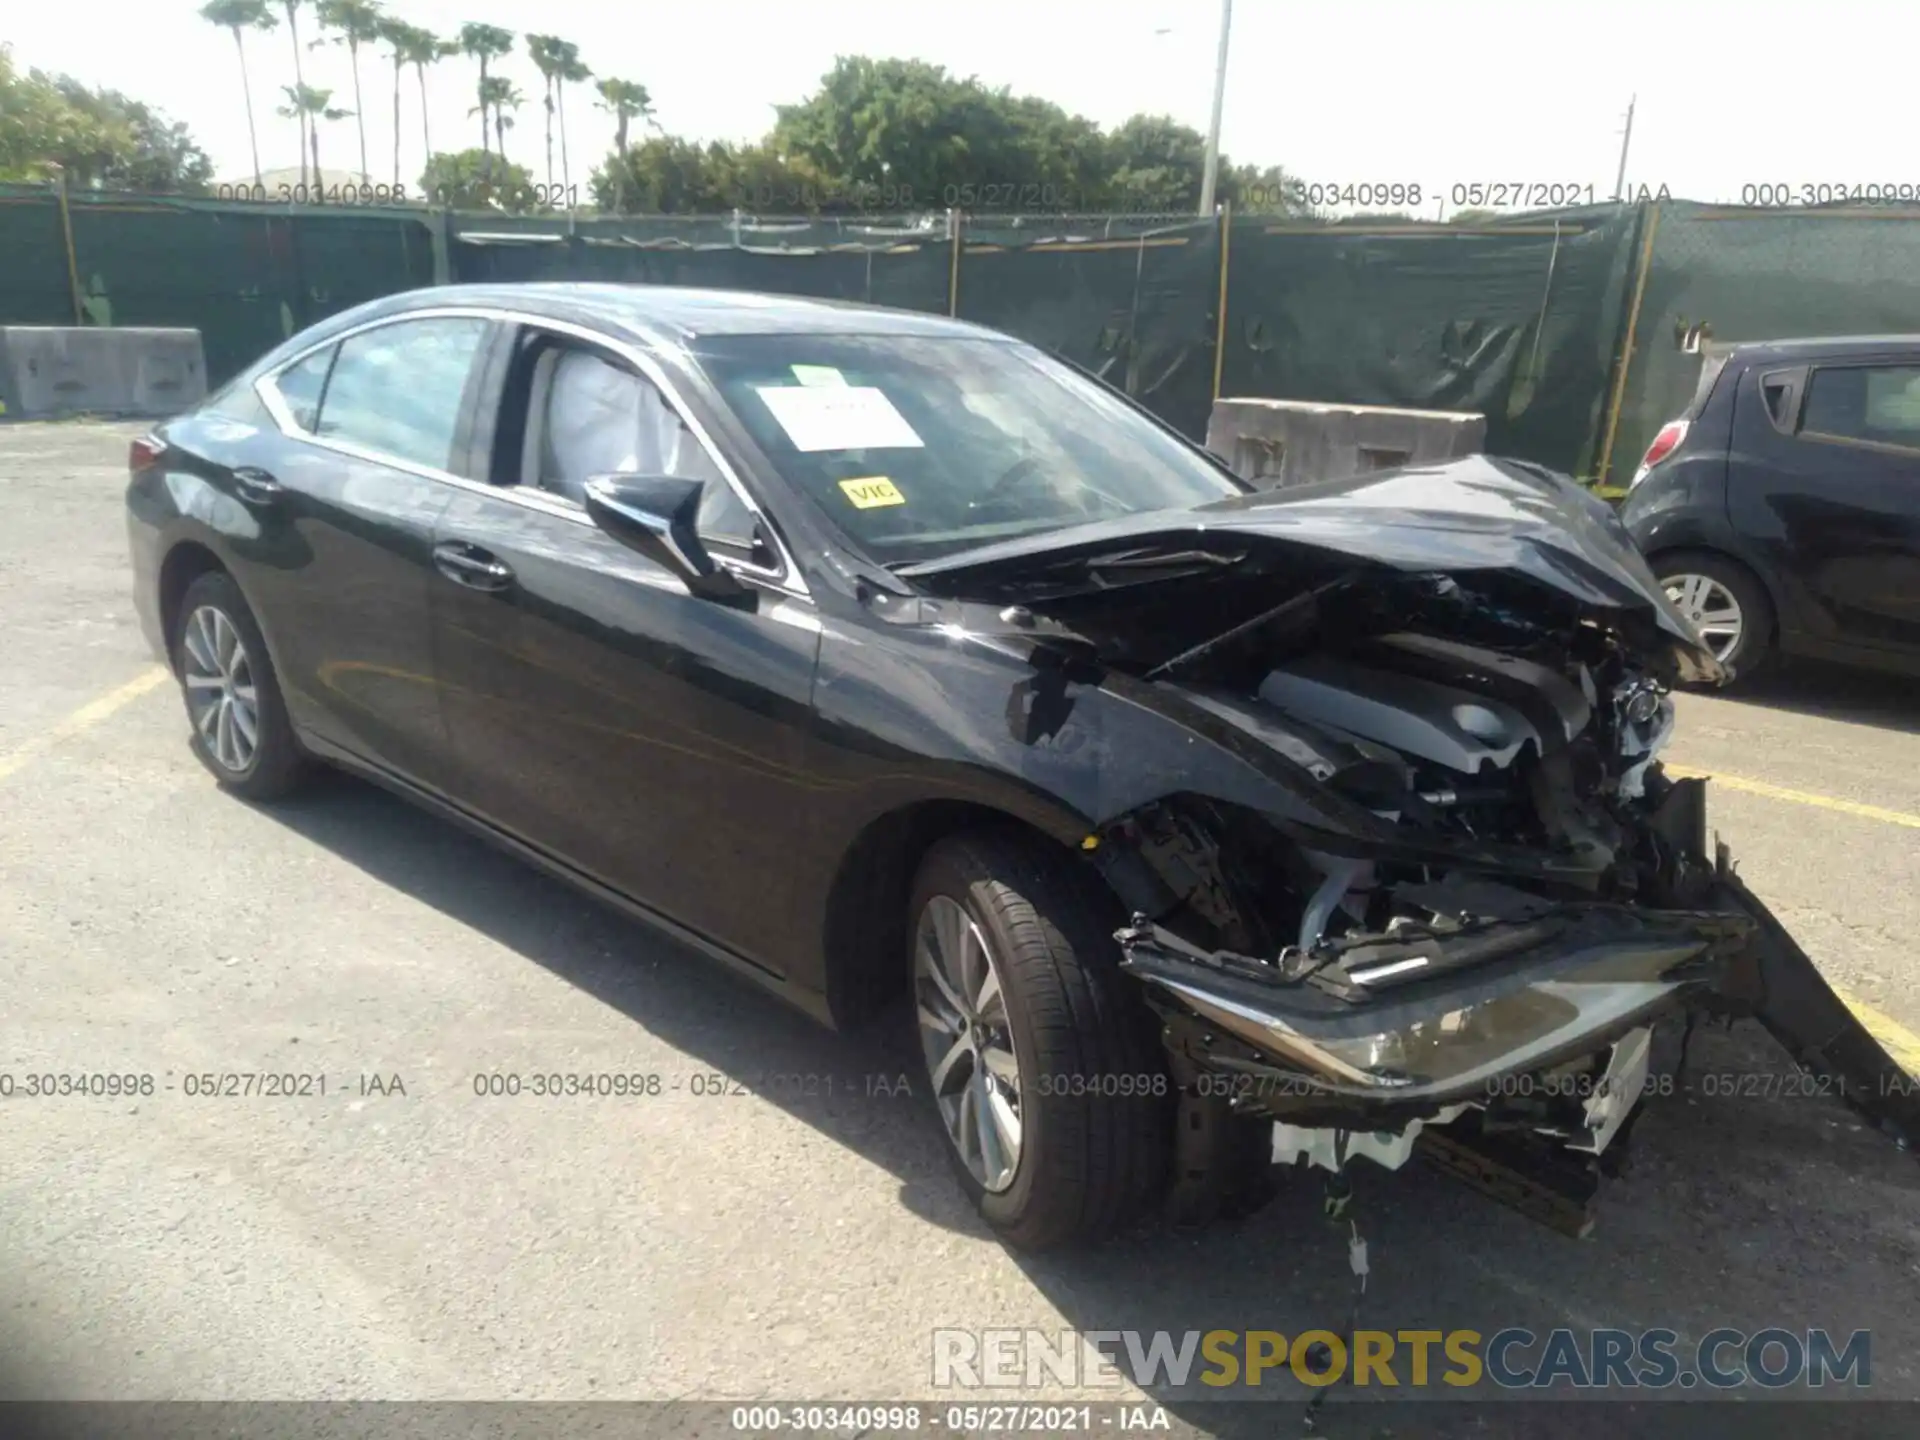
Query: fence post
{"x": 1224, "y": 219}
{"x": 73, "y": 259}
{"x": 1626, "y": 349}
{"x": 955, "y": 221}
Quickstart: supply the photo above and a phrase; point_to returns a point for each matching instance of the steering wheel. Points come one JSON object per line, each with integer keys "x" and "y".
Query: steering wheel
{"x": 1010, "y": 479}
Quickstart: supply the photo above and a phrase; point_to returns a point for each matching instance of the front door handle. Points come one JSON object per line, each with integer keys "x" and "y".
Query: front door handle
{"x": 471, "y": 566}
{"x": 257, "y": 487}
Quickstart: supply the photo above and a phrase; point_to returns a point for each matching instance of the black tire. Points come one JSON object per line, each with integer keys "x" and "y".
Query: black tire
{"x": 1096, "y": 1102}
{"x": 1754, "y": 649}
{"x": 277, "y": 765}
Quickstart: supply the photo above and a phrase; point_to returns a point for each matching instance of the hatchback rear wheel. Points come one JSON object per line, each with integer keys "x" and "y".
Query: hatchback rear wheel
{"x": 1725, "y": 602}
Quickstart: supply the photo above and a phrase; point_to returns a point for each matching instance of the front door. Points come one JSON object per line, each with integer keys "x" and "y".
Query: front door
{"x": 652, "y": 740}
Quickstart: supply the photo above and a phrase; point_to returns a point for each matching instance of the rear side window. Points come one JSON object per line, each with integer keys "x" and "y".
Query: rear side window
{"x": 1879, "y": 404}
{"x": 397, "y": 389}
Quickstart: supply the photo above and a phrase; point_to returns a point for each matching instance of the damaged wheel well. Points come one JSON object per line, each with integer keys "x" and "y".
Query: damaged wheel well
{"x": 866, "y": 920}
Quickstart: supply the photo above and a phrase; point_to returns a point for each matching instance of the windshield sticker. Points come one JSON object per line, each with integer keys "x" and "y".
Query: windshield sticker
{"x": 817, "y": 375}
{"x": 872, "y": 492}
{"x": 839, "y": 417}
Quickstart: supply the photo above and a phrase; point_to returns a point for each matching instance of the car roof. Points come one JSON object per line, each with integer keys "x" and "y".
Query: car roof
{"x": 684, "y": 313}
{"x": 1818, "y": 347}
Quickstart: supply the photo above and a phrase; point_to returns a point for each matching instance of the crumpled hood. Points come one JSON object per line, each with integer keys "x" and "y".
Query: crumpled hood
{"x": 1474, "y": 514}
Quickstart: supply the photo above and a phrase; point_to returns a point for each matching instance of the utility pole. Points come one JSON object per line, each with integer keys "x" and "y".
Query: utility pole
{"x": 1212, "y": 173}
{"x": 1626, "y": 139}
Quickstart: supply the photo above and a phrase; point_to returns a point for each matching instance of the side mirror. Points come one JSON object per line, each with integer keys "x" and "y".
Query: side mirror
{"x": 657, "y": 516}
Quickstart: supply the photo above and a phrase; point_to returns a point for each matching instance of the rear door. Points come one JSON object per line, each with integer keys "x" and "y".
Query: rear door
{"x": 345, "y": 507}
{"x": 1826, "y": 483}
{"x": 653, "y": 741}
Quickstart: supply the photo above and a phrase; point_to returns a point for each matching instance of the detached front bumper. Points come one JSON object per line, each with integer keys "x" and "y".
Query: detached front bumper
{"x": 1426, "y": 1033}
{"x": 1402, "y": 1030}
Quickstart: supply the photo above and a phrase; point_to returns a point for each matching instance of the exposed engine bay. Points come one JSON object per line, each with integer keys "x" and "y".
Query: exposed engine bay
{"x": 1482, "y": 894}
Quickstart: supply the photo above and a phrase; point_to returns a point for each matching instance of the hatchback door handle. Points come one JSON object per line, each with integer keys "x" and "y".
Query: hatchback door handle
{"x": 471, "y": 566}
{"x": 257, "y": 486}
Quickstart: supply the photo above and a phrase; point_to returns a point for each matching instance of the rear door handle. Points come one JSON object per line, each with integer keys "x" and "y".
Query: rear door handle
{"x": 471, "y": 566}
{"x": 257, "y": 486}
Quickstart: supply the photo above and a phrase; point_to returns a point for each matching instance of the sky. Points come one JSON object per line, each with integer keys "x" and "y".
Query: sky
{"x": 1393, "y": 92}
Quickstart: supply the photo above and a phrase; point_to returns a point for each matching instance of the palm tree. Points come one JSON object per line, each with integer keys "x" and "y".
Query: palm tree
{"x": 571, "y": 71}
{"x": 310, "y": 107}
{"x": 292, "y": 8}
{"x": 543, "y": 51}
{"x": 484, "y": 43}
{"x": 628, "y": 101}
{"x": 240, "y": 16}
{"x": 355, "y": 22}
{"x": 502, "y": 96}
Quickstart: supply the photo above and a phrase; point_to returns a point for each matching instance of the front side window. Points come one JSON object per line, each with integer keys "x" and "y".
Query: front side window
{"x": 589, "y": 415}
{"x": 919, "y": 446}
{"x": 1876, "y": 403}
{"x": 397, "y": 389}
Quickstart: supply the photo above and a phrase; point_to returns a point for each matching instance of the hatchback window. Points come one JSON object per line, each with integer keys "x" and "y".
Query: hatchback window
{"x": 921, "y": 446}
{"x": 397, "y": 389}
{"x": 1876, "y": 403}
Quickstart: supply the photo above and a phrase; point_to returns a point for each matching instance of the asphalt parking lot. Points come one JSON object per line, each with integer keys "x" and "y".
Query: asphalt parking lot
{"x": 741, "y": 1235}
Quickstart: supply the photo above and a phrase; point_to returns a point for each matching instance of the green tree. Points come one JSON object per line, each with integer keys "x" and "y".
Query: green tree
{"x": 240, "y": 16}
{"x": 353, "y": 23}
{"x": 1154, "y": 164}
{"x": 485, "y": 43}
{"x": 666, "y": 174}
{"x": 404, "y": 42}
{"x": 626, "y": 101}
{"x": 99, "y": 139}
{"x": 310, "y": 106}
{"x": 543, "y": 50}
{"x": 478, "y": 180}
{"x": 572, "y": 70}
{"x": 500, "y": 97}
{"x": 909, "y": 129}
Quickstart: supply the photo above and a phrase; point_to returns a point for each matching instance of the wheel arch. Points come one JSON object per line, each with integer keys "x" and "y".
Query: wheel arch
{"x": 865, "y": 929}
{"x": 185, "y": 563}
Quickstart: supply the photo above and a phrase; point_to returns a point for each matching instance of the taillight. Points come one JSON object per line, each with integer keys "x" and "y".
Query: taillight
{"x": 1671, "y": 434}
{"x": 144, "y": 454}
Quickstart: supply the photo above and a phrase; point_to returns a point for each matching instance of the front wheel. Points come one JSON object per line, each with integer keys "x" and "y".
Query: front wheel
{"x": 239, "y": 722}
{"x": 1044, "y": 1065}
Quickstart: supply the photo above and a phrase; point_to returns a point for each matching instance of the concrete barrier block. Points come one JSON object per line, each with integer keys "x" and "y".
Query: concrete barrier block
{"x": 50, "y": 371}
{"x": 1275, "y": 443}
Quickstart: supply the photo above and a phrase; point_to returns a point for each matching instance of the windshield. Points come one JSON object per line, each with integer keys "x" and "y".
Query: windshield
{"x": 919, "y": 446}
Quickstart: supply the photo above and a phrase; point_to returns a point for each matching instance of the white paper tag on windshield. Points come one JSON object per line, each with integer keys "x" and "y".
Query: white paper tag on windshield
{"x": 839, "y": 417}
{"x": 817, "y": 375}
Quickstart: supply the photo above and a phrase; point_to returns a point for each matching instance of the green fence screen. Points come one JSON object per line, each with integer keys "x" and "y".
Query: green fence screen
{"x": 1525, "y": 319}
{"x": 1518, "y": 321}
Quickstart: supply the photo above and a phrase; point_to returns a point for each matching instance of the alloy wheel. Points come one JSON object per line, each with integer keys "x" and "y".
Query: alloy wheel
{"x": 222, "y": 701}
{"x": 1712, "y": 609}
{"x": 966, "y": 1036}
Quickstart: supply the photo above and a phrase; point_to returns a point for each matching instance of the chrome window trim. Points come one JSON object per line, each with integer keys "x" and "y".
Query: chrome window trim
{"x": 785, "y": 577}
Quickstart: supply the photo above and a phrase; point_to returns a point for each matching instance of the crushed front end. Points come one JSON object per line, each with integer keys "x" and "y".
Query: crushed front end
{"x": 1482, "y": 989}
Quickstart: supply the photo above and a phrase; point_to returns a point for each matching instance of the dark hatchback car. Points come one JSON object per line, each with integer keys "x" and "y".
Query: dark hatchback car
{"x": 880, "y": 657}
{"x": 1781, "y": 511}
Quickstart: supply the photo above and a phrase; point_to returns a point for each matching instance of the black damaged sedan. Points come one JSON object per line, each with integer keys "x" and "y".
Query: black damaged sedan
{"x": 885, "y": 658}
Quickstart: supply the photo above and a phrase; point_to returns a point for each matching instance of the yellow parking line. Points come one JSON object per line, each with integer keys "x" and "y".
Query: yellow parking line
{"x": 1898, "y": 1041}
{"x": 85, "y": 718}
{"x": 1798, "y": 797}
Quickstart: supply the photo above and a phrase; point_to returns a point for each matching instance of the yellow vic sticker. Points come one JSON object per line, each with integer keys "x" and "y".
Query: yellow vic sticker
{"x": 873, "y": 491}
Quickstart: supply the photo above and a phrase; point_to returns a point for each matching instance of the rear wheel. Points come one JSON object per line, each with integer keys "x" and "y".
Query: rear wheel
{"x": 1726, "y": 603}
{"x": 1045, "y": 1068}
{"x": 238, "y": 720}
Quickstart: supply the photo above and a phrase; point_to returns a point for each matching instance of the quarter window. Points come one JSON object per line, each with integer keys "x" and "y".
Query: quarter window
{"x": 397, "y": 389}
{"x": 1875, "y": 403}
{"x": 301, "y": 385}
